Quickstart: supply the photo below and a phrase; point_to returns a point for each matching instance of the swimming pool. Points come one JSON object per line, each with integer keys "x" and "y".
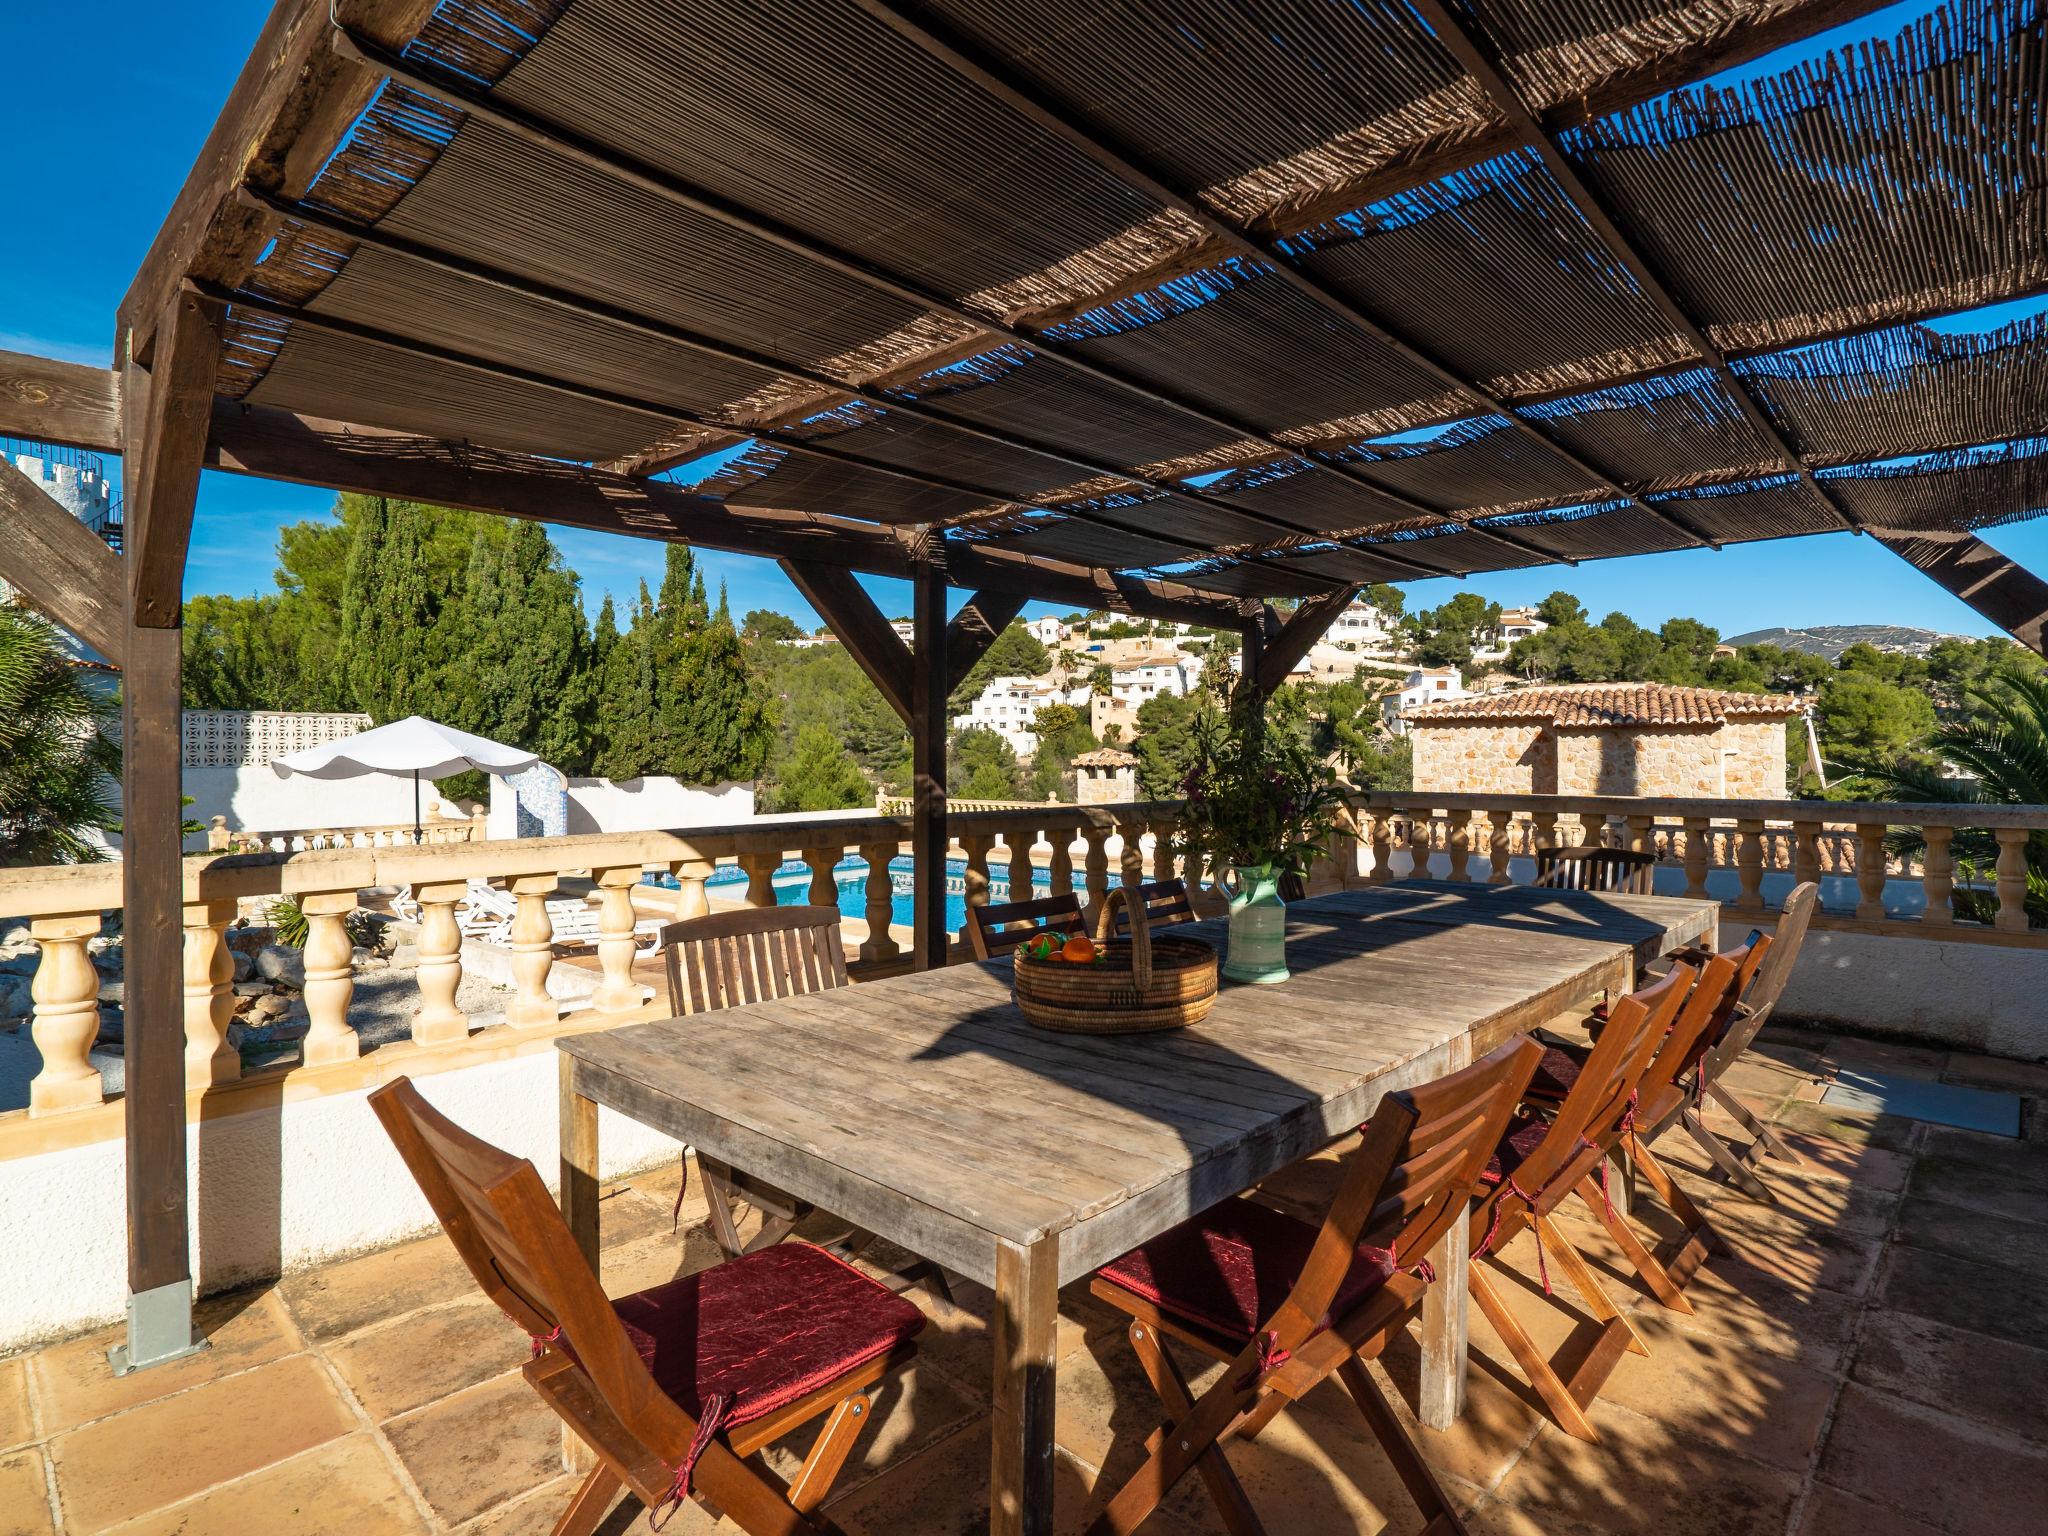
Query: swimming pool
{"x": 793, "y": 886}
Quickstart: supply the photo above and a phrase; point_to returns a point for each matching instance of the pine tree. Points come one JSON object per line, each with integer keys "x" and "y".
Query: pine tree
{"x": 821, "y": 775}
{"x": 527, "y": 654}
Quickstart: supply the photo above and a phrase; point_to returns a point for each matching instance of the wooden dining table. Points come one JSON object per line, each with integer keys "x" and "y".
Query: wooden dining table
{"x": 925, "y": 1109}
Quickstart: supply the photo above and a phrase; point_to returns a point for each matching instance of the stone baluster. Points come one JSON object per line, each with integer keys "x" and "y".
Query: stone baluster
{"x": 761, "y": 868}
{"x": 2012, "y": 880}
{"x": 1132, "y": 863}
{"x": 1060, "y": 867}
{"x": 1095, "y": 867}
{"x": 1749, "y": 864}
{"x": 66, "y": 994}
{"x": 533, "y": 955}
{"x": 976, "y": 846}
{"x": 881, "y": 905}
{"x": 618, "y": 992}
{"x": 1500, "y": 829}
{"x": 691, "y": 898}
{"x": 440, "y": 1021}
{"x": 1542, "y": 831}
{"x": 209, "y": 995}
{"x": 1020, "y": 844}
{"x": 1937, "y": 878}
{"x": 1870, "y": 872}
{"x": 1698, "y": 832}
{"x": 1461, "y": 842}
{"x": 1805, "y": 851}
{"x": 1379, "y": 827}
{"x": 1641, "y": 834}
{"x": 1163, "y": 861}
{"x": 824, "y": 860}
{"x": 330, "y": 978}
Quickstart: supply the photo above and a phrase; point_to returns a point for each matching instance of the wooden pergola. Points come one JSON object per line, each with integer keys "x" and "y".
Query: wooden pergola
{"x": 1157, "y": 309}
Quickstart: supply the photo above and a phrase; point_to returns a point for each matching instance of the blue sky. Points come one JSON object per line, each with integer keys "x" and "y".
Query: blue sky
{"x": 116, "y": 129}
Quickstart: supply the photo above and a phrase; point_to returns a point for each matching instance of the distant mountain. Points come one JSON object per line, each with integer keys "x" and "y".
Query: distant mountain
{"x": 1830, "y": 640}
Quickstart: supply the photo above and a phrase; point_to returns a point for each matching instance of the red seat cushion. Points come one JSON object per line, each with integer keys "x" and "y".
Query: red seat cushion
{"x": 1523, "y": 1137}
{"x": 1229, "y": 1268}
{"x": 764, "y": 1329}
{"x": 1558, "y": 1070}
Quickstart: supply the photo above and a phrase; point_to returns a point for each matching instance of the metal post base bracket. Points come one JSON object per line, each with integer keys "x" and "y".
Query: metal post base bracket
{"x": 159, "y": 1329}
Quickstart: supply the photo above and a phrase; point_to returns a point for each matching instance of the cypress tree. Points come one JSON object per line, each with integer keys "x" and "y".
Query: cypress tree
{"x": 528, "y": 675}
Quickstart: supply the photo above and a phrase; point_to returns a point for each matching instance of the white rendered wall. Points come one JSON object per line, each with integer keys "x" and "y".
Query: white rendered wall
{"x": 257, "y": 800}
{"x": 273, "y": 1190}
{"x": 656, "y": 803}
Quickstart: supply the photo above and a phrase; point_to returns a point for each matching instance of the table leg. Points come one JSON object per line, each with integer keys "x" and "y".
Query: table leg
{"x": 1444, "y": 1305}
{"x": 579, "y": 1208}
{"x": 1026, "y": 1321}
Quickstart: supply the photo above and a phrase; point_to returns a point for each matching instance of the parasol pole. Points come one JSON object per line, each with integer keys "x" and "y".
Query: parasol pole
{"x": 416, "y": 839}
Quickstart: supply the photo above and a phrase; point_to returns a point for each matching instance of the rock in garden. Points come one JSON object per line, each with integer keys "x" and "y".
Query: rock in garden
{"x": 275, "y": 1006}
{"x": 245, "y": 966}
{"x": 14, "y": 997}
{"x": 281, "y": 964}
{"x": 21, "y": 963}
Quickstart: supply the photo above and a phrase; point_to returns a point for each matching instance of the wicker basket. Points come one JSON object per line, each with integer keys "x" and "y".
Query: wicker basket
{"x": 1145, "y": 982}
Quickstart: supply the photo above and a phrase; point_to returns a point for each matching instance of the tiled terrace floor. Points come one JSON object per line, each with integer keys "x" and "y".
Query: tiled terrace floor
{"x": 1872, "y": 1364}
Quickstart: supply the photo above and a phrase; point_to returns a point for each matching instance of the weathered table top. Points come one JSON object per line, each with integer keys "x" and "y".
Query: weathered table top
{"x": 925, "y": 1108}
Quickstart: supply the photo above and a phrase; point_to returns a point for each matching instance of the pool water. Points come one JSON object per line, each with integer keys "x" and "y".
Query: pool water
{"x": 793, "y": 887}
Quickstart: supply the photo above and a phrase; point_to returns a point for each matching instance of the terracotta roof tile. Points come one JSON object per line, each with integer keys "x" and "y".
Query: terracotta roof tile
{"x": 1598, "y": 704}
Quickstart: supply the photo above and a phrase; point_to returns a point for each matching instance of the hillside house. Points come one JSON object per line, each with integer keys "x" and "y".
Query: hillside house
{"x": 1605, "y": 739}
{"x": 1425, "y": 685}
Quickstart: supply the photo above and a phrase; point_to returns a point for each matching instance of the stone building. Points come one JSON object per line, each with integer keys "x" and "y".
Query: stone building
{"x": 1605, "y": 739}
{"x": 1106, "y": 776}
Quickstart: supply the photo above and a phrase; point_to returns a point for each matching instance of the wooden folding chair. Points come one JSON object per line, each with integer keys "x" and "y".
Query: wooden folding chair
{"x": 674, "y": 1388}
{"x": 1000, "y": 927}
{"x": 1538, "y": 1164}
{"x": 1596, "y": 869}
{"x": 1288, "y": 1303}
{"x": 1725, "y": 1048}
{"x": 1665, "y": 1085}
{"x": 1164, "y": 902}
{"x": 723, "y": 960}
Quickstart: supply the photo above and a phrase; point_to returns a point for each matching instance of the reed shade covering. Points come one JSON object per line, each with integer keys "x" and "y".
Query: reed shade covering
{"x": 1005, "y": 251}
{"x": 1146, "y": 982}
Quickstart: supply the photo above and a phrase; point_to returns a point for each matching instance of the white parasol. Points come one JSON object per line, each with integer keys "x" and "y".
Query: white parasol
{"x": 413, "y": 745}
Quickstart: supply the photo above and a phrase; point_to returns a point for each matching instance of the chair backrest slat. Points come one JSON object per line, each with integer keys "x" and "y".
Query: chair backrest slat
{"x": 1761, "y": 999}
{"x": 1411, "y": 1176}
{"x": 1624, "y": 870}
{"x": 751, "y": 955}
{"x": 1165, "y": 902}
{"x": 999, "y": 927}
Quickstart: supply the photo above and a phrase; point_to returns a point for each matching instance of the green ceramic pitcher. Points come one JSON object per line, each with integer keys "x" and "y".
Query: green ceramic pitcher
{"x": 1258, "y": 925}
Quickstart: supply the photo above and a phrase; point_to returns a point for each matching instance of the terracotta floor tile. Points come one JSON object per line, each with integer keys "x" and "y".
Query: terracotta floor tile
{"x": 484, "y": 1446}
{"x": 913, "y": 1408}
{"x": 1764, "y": 1406}
{"x": 343, "y": 1489}
{"x": 1737, "y": 1301}
{"x": 532, "y": 1514}
{"x": 1647, "y": 1476}
{"x": 1496, "y": 1427}
{"x": 412, "y": 1362}
{"x": 1885, "y": 1056}
{"x": 17, "y": 1419}
{"x": 1989, "y": 1380}
{"x": 1983, "y": 1298}
{"x": 139, "y": 1461}
{"x": 75, "y": 1384}
{"x": 944, "y": 1492}
{"x": 1971, "y": 1234}
{"x": 655, "y": 1260}
{"x": 24, "y": 1495}
{"x": 1851, "y": 1127}
{"x": 336, "y": 1299}
{"x": 1830, "y": 1512}
{"x": 1954, "y": 1477}
{"x": 2027, "y": 1077}
{"x": 1869, "y": 1164}
{"x": 2003, "y": 1185}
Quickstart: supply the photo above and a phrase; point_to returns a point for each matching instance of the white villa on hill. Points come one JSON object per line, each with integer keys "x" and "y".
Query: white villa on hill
{"x": 1425, "y": 685}
{"x": 1362, "y": 627}
{"x": 1009, "y": 706}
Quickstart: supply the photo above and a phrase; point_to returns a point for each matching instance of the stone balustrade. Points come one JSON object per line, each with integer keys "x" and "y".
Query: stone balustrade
{"x": 1056, "y": 848}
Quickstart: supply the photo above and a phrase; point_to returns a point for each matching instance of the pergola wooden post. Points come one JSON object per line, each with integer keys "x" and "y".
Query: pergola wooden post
{"x": 165, "y": 415}
{"x": 928, "y": 750}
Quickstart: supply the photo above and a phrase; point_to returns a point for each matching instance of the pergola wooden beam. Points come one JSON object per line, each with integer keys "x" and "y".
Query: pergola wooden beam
{"x": 1483, "y": 61}
{"x": 160, "y": 470}
{"x": 63, "y": 403}
{"x": 1127, "y": 165}
{"x": 928, "y": 694}
{"x": 290, "y": 106}
{"x": 1303, "y": 628}
{"x": 2004, "y": 591}
{"x": 60, "y": 565}
{"x": 974, "y": 629}
{"x": 852, "y": 615}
